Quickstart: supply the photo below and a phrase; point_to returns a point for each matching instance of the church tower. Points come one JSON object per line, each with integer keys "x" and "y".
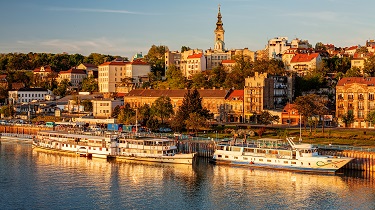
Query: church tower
{"x": 219, "y": 33}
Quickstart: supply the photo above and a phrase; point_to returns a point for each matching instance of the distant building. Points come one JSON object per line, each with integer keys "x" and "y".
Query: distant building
{"x": 290, "y": 115}
{"x": 43, "y": 72}
{"x": 90, "y": 69}
{"x": 303, "y": 63}
{"x": 26, "y": 95}
{"x": 196, "y": 63}
{"x": 234, "y": 106}
{"x": 74, "y": 76}
{"x": 103, "y": 108}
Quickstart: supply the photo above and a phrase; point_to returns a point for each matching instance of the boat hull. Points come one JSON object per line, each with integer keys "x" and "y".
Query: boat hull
{"x": 315, "y": 165}
{"x": 177, "y": 159}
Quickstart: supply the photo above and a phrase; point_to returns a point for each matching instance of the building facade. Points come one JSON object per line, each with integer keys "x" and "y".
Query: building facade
{"x": 74, "y": 76}
{"x": 103, "y": 108}
{"x": 258, "y": 95}
{"x": 26, "y": 95}
{"x": 355, "y": 94}
{"x": 212, "y": 99}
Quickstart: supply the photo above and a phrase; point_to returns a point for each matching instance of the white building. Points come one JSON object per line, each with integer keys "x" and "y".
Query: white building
{"x": 26, "y": 95}
{"x": 110, "y": 74}
{"x": 195, "y": 64}
{"x": 74, "y": 76}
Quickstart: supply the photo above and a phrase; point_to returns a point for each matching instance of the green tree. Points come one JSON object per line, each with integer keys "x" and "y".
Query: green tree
{"x": 199, "y": 80}
{"x": 184, "y": 48}
{"x": 348, "y": 118}
{"x": 7, "y": 111}
{"x": 369, "y": 66}
{"x": 320, "y": 46}
{"x": 192, "y": 103}
{"x": 87, "y": 105}
{"x": 175, "y": 78}
{"x": 155, "y": 57}
{"x": 266, "y": 118}
{"x": 144, "y": 114}
{"x": 353, "y": 72}
{"x": 218, "y": 76}
{"x": 62, "y": 89}
{"x": 116, "y": 111}
{"x": 308, "y": 106}
{"x": 89, "y": 84}
{"x": 162, "y": 108}
{"x": 126, "y": 115}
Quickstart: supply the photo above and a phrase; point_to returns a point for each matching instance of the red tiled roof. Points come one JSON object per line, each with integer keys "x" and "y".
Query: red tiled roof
{"x": 89, "y": 65}
{"x": 46, "y": 69}
{"x": 228, "y": 61}
{"x": 73, "y": 71}
{"x": 118, "y": 63}
{"x": 139, "y": 62}
{"x": 369, "y": 81}
{"x": 199, "y": 55}
{"x": 3, "y": 76}
{"x": 352, "y": 48}
{"x": 304, "y": 57}
{"x": 236, "y": 94}
{"x": 175, "y": 93}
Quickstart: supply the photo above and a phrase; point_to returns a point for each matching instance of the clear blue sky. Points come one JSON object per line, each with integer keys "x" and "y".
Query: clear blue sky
{"x": 123, "y": 27}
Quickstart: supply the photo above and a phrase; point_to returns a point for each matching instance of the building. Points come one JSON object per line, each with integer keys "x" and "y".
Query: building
{"x": 290, "y": 115}
{"x": 234, "y": 106}
{"x": 111, "y": 74}
{"x": 103, "y": 108}
{"x": 228, "y": 64}
{"x": 356, "y": 94}
{"x": 258, "y": 95}
{"x": 303, "y": 63}
{"x": 90, "y": 69}
{"x": 212, "y": 99}
{"x": 196, "y": 63}
{"x": 26, "y": 95}
{"x": 3, "y": 81}
{"x": 43, "y": 72}
{"x": 74, "y": 76}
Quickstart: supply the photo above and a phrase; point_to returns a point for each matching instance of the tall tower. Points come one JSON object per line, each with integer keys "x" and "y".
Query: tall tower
{"x": 219, "y": 33}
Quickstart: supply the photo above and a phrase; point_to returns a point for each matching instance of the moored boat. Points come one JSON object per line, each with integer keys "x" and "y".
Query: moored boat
{"x": 81, "y": 144}
{"x": 278, "y": 154}
{"x": 151, "y": 149}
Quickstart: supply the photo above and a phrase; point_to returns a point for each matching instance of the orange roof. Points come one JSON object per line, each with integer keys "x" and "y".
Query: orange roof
{"x": 139, "y": 62}
{"x": 3, "y": 76}
{"x": 73, "y": 71}
{"x": 236, "y": 94}
{"x": 304, "y": 57}
{"x": 119, "y": 63}
{"x": 175, "y": 93}
{"x": 228, "y": 61}
{"x": 199, "y": 55}
{"x": 369, "y": 81}
{"x": 46, "y": 69}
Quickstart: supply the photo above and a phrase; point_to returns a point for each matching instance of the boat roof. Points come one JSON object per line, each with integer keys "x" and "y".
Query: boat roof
{"x": 74, "y": 135}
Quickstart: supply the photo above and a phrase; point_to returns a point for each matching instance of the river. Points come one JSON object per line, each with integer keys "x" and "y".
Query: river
{"x": 31, "y": 179}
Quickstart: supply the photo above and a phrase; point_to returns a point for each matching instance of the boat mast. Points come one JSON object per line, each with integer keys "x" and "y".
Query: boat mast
{"x": 300, "y": 128}
{"x": 136, "y": 120}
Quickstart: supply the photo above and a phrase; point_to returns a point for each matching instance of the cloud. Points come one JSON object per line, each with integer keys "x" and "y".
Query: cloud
{"x": 97, "y": 10}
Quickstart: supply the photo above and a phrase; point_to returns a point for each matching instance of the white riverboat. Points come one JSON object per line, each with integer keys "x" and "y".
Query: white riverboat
{"x": 151, "y": 149}
{"x": 87, "y": 145}
{"x": 278, "y": 154}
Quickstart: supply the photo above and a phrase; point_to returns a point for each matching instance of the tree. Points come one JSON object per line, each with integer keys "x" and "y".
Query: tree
{"x": 175, "y": 78}
{"x": 266, "y": 118}
{"x": 7, "y": 111}
{"x": 155, "y": 57}
{"x": 218, "y": 76}
{"x": 144, "y": 114}
{"x": 87, "y": 105}
{"x": 308, "y": 106}
{"x": 192, "y": 103}
{"x": 184, "y": 48}
{"x": 195, "y": 122}
{"x": 162, "y": 108}
{"x": 371, "y": 117}
{"x": 199, "y": 81}
{"x": 320, "y": 46}
{"x": 126, "y": 115}
{"x": 89, "y": 84}
{"x": 116, "y": 111}
{"x": 354, "y": 72}
{"x": 369, "y": 66}
{"x": 348, "y": 118}
{"x": 61, "y": 90}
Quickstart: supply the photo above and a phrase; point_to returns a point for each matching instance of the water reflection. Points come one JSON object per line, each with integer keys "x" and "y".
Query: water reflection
{"x": 60, "y": 181}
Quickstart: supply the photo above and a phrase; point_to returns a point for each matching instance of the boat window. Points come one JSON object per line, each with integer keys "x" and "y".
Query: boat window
{"x": 293, "y": 162}
{"x": 235, "y": 157}
{"x": 286, "y": 162}
{"x": 260, "y": 159}
{"x": 226, "y": 156}
{"x": 268, "y": 160}
{"x": 236, "y": 149}
{"x": 329, "y": 160}
{"x": 219, "y": 156}
{"x": 245, "y": 158}
{"x": 301, "y": 163}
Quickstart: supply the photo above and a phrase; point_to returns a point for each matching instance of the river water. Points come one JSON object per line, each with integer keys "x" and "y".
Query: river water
{"x": 31, "y": 179}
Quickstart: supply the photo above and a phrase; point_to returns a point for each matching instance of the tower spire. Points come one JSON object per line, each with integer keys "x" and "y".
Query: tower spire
{"x": 219, "y": 23}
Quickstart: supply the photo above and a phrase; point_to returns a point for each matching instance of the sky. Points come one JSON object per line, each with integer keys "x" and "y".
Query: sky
{"x": 124, "y": 27}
